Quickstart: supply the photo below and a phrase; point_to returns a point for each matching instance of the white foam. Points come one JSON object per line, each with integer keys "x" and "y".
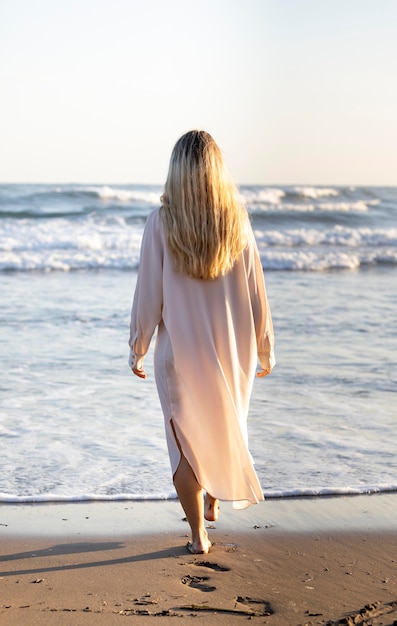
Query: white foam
{"x": 330, "y": 491}
{"x": 126, "y": 195}
{"x": 322, "y": 261}
{"x": 330, "y": 207}
{"x": 92, "y": 243}
{"x": 309, "y": 261}
{"x": 258, "y": 196}
{"x": 61, "y": 244}
{"x": 49, "y": 497}
{"x": 343, "y": 207}
{"x": 156, "y": 497}
{"x": 341, "y": 236}
{"x": 315, "y": 192}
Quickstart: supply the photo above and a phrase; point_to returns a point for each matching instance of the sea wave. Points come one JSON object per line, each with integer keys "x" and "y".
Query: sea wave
{"x": 311, "y": 199}
{"x": 260, "y": 196}
{"x": 125, "y": 195}
{"x": 315, "y": 192}
{"x": 112, "y": 243}
{"x": 156, "y": 497}
{"x": 276, "y": 195}
{"x": 274, "y": 260}
{"x": 336, "y": 236}
{"x": 46, "y": 201}
{"x": 358, "y": 206}
{"x": 77, "y": 227}
{"x": 312, "y": 261}
{"x": 141, "y": 193}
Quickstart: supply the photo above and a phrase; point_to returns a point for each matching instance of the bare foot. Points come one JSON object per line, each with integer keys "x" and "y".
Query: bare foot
{"x": 199, "y": 547}
{"x": 211, "y": 508}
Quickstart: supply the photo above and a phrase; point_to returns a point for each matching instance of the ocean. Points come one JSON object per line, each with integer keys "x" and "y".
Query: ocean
{"x": 75, "y": 424}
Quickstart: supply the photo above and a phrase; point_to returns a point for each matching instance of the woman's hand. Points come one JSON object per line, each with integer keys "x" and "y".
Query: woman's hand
{"x": 133, "y": 361}
{"x": 263, "y": 373}
{"x": 139, "y": 372}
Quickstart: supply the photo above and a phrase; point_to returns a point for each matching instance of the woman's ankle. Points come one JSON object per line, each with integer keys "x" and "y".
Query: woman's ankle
{"x": 211, "y": 508}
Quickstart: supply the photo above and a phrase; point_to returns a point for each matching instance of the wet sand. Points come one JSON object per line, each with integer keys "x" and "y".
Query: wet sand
{"x": 284, "y": 562}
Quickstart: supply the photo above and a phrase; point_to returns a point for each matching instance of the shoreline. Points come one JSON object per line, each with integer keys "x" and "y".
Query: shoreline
{"x": 377, "y": 511}
{"x": 283, "y": 563}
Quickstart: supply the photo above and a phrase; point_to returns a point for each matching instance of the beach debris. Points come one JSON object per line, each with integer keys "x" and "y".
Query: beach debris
{"x": 265, "y": 611}
{"x": 145, "y": 600}
{"x": 266, "y": 608}
{"x": 163, "y": 613}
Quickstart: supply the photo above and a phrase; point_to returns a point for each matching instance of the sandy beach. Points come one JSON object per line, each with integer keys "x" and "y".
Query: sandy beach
{"x": 283, "y": 562}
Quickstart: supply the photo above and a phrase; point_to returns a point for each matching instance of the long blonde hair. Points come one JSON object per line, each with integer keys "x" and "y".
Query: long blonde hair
{"x": 204, "y": 220}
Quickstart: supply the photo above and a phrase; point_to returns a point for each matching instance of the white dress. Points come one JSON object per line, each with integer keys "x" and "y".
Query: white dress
{"x": 210, "y": 334}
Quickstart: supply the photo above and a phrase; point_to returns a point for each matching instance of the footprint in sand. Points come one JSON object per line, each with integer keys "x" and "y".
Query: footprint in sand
{"x": 213, "y": 566}
{"x": 197, "y": 582}
{"x": 369, "y": 614}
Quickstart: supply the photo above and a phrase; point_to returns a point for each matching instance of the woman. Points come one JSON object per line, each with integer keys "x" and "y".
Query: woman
{"x": 200, "y": 282}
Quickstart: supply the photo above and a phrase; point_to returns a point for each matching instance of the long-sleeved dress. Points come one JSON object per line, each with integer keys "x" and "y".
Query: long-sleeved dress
{"x": 210, "y": 334}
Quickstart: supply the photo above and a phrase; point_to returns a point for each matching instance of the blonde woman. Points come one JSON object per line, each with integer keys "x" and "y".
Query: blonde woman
{"x": 200, "y": 283}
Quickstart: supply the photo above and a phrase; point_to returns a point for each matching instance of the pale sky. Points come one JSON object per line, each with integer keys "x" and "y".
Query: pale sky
{"x": 294, "y": 91}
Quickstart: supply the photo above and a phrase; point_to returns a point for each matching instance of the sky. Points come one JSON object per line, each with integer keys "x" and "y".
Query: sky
{"x": 293, "y": 91}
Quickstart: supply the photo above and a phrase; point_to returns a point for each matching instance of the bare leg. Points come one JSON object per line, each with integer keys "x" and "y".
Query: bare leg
{"x": 190, "y": 496}
{"x": 211, "y": 508}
